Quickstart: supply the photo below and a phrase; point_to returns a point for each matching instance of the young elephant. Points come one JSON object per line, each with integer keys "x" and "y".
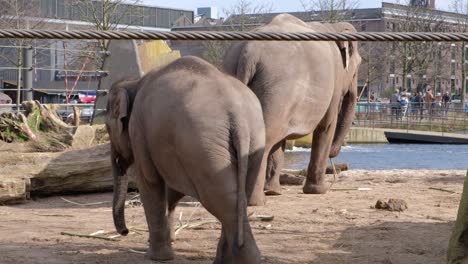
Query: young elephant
{"x": 188, "y": 129}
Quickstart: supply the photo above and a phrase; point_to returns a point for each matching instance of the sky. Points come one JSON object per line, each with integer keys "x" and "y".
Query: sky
{"x": 278, "y": 5}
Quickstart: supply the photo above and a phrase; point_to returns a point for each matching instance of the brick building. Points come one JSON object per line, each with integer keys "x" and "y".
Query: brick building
{"x": 441, "y": 67}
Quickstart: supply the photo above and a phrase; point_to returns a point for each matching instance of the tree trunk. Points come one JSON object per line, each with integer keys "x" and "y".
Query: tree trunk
{"x": 458, "y": 245}
{"x": 80, "y": 171}
{"x": 463, "y": 79}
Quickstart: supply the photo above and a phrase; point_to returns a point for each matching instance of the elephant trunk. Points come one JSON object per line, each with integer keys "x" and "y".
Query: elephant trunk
{"x": 119, "y": 197}
{"x": 345, "y": 119}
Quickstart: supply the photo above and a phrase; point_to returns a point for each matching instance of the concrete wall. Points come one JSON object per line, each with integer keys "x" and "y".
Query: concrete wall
{"x": 365, "y": 135}
{"x": 356, "y": 135}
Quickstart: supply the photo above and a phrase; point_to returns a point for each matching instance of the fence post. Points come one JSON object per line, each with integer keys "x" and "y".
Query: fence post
{"x": 28, "y": 73}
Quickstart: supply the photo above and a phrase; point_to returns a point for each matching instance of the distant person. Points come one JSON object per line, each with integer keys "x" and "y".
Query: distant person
{"x": 403, "y": 104}
{"x": 395, "y": 104}
{"x": 412, "y": 106}
{"x": 428, "y": 100}
{"x": 437, "y": 104}
{"x": 419, "y": 104}
{"x": 372, "y": 97}
{"x": 446, "y": 103}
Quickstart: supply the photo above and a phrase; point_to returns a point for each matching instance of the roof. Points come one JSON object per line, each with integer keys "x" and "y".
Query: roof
{"x": 357, "y": 14}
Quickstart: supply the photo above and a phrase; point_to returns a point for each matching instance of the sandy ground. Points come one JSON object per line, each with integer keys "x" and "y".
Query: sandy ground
{"x": 338, "y": 227}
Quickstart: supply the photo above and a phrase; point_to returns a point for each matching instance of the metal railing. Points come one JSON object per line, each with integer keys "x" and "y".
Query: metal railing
{"x": 435, "y": 117}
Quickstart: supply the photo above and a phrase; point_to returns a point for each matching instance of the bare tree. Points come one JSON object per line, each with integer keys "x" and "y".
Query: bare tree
{"x": 416, "y": 58}
{"x": 331, "y": 10}
{"x": 461, "y": 25}
{"x": 17, "y": 14}
{"x": 106, "y": 15}
{"x": 241, "y": 16}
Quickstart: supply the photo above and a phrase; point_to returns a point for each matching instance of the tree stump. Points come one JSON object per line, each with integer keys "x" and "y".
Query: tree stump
{"x": 39, "y": 122}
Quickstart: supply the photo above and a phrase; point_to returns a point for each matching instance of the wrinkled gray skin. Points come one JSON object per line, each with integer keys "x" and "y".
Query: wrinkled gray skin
{"x": 188, "y": 129}
{"x": 303, "y": 87}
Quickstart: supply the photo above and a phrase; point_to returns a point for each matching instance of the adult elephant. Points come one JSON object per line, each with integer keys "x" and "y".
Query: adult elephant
{"x": 188, "y": 129}
{"x": 303, "y": 87}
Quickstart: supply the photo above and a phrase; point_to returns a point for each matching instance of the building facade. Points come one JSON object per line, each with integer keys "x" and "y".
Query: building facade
{"x": 386, "y": 66}
{"x": 56, "y": 63}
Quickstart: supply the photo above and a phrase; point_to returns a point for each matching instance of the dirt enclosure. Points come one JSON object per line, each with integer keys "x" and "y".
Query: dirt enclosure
{"x": 339, "y": 227}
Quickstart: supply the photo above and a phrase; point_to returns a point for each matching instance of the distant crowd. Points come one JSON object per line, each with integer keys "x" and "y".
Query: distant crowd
{"x": 405, "y": 104}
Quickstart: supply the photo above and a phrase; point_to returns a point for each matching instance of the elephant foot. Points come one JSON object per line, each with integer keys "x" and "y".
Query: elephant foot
{"x": 310, "y": 188}
{"x": 257, "y": 199}
{"x": 272, "y": 192}
{"x": 162, "y": 254}
{"x": 273, "y": 188}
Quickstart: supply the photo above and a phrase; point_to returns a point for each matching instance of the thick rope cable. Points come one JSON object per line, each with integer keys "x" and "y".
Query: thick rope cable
{"x": 233, "y": 35}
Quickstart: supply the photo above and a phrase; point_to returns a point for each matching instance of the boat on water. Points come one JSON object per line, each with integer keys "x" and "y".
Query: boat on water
{"x": 423, "y": 138}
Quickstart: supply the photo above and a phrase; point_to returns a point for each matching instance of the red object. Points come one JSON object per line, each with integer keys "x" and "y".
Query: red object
{"x": 87, "y": 98}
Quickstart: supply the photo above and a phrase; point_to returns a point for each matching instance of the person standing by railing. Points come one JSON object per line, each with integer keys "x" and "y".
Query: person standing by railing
{"x": 428, "y": 99}
{"x": 403, "y": 104}
{"x": 446, "y": 103}
{"x": 395, "y": 103}
{"x": 419, "y": 105}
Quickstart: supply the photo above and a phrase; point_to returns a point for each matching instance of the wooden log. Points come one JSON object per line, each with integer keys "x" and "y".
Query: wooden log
{"x": 81, "y": 171}
{"x": 290, "y": 179}
{"x": 78, "y": 171}
{"x": 338, "y": 166}
{"x": 14, "y": 191}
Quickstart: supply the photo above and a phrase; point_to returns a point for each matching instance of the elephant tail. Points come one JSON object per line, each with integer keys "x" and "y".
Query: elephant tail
{"x": 246, "y": 65}
{"x": 241, "y": 142}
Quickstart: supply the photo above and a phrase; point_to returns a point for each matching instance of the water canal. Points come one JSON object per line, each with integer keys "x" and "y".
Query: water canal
{"x": 391, "y": 156}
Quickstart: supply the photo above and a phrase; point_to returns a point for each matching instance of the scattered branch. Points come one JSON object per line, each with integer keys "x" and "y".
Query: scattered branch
{"x": 83, "y": 204}
{"x": 88, "y": 236}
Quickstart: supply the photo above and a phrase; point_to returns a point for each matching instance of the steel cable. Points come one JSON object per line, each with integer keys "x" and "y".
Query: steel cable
{"x": 234, "y": 35}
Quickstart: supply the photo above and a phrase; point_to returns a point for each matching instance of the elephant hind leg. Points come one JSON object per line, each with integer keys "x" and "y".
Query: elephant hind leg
{"x": 228, "y": 250}
{"x": 173, "y": 198}
{"x": 274, "y": 167}
{"x": 153, "y": 195}
{"x": 321, "y": 144}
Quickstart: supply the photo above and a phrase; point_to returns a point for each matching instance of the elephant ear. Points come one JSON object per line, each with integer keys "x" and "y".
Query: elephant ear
{"x": 346, "y": 50}
{"x": 120, "y": 109}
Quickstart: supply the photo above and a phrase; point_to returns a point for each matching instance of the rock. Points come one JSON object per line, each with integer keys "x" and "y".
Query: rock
{"x": 83, "y": 137}
{"x": 100, "y": 135}
{"x": 398, "y": 205}
{"x": 290, "y": 179}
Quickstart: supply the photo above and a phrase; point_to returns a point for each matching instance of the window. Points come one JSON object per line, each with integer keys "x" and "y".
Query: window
{"x": 392, "y": 82}
{"x": 453, "y": 51}
{"x": 392, "y": 67}
{"x": 452, "y": 84}
{"x": 452, "y": 68}
{"x": 409, "y": 83}
{"x": 466, "y": 53}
